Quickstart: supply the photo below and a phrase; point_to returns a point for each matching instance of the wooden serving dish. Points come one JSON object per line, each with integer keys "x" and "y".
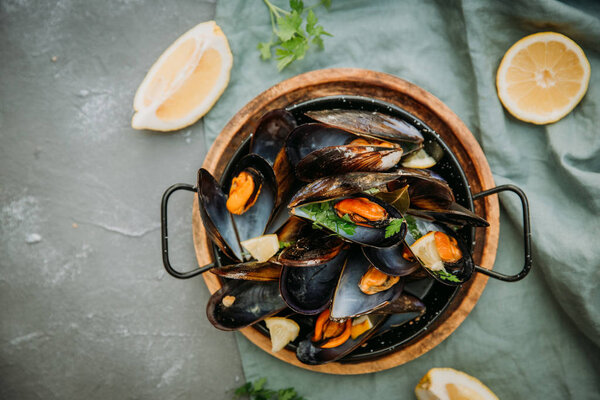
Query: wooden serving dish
{"x": 430, "y": 110}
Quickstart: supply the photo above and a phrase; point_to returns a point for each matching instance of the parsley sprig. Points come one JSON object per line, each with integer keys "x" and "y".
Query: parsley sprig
{"x": 447, "y": 276}
{"x": 290, "y": 40}
{"x": 257, "y": 391}
{"x": 394, "y": 227}
{"x": 323, "y": 214}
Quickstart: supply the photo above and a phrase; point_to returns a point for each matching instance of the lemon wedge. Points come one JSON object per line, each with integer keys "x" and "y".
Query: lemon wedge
{"x": 450, "y": 384}
{"x": 360, "y": 325}
{"x": 426, "y": 249}
{"x": 262, "y": 247}
{"x": 282, "y": 331}
{"x": 542, "y": 77}
{"x": 419, "y": 159}
{"x": 186, "y": 80}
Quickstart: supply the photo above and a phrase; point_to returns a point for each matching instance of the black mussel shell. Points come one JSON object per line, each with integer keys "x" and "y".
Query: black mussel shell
{"x": 455, "y": 215}
{"x": 309, "y": 290}
{"x": 317, "y": 247}
{"x": 270, "y": 135}
{"x": 308, "y": 353}
{"x": 335, "y": 160}
{"x": 217, "y": 220}
{"x": 251, "y": 302}
{"x": 404, "y": 309}
{"x": 250, "y": 271}
{"x": 310, "y": 137}
{"x": 349, "y": 300}
{"x": 369, "y": 123}
{"x": 254, "y": 221}
{"x": 455, "y": 274}
{"x": 426, "y": 189}
{"x": 293, "y": 229}
{"x": 368, "y": 236}
{"x": 390, "y": 260}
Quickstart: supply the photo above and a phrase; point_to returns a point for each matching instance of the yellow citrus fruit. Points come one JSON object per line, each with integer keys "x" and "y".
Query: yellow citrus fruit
{"x": 185, "y": 82}
{"x": 426, "y": 249}
{"x": 542, "y": 77}
{"x": 419, "y": 159}
{"x": 263, "y": 247}
{"x": 450, "y": 384}
{"x": 360, "y": 325}
{"x": 282, "y": 331}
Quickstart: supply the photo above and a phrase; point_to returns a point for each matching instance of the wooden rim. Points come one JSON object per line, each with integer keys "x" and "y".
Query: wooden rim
{"x": 422, "y": 104}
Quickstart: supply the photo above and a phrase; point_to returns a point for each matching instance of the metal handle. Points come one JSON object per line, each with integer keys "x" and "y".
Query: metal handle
{"x": 526, "y": 235}
{"x": 165, "y": 234}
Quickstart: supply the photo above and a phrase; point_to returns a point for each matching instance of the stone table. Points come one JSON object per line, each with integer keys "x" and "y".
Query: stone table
{"x": 87, "y": 310}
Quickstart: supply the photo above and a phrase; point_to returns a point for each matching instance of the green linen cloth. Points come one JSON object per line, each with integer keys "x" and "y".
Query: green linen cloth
{"x": 534, "y": 339}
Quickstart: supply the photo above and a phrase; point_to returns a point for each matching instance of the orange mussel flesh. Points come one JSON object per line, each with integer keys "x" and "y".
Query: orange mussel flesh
{"x": 329, "y": 333}
{"x": 361, "y": 211}
{"x": 243, "y": 192}
{"x": 447, "y": 247}
{"x": 375, "y": 281}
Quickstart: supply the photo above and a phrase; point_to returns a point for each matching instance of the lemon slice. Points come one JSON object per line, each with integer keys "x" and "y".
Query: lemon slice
{"x": 542, "y": 77}
{"x": 185, "y": 82}
{"x": 262, "y": 247}
{"x": 282, "y": 331}
{"x": 425, "y": 248}
{"x": 419, "y": 159}
{"x": 360, "y": 325}
{"x": 450, "y": 384}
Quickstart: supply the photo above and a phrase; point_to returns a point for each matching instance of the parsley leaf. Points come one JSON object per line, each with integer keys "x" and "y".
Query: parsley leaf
{"x": 289, "y": 39}
{"x": 394, "y": 227}
{"x": 447, "y": 276}
{"x": 257, "y": 391}
{"x": 323, "y": 215}
{"x": 283, "y": 245}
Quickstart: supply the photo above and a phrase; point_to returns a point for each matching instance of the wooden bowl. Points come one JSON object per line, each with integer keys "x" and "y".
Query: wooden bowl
{"x": 423, "y": 105}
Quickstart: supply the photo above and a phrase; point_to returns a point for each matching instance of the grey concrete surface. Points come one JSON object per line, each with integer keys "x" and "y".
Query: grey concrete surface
{"x": 87, "y": 311}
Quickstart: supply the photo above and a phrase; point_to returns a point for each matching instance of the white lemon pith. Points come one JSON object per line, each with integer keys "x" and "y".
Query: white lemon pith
{"x": 542, "y": 77}
{"x": 419, "y": 159}
{"x": 450, "y": 384}
{"x": 426, "y": 250}
{"x": 282, "y": 331}
{"x": 263, "y": 247}
{"x": 185, "y": 82}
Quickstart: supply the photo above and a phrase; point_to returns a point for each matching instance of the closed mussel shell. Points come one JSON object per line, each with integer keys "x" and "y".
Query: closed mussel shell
{"x": 316, "y": 248}
{"x": 240, "y": 303}
{"x": 250, "y": 271}
{"x": 215, "y": 217}
{"x": 349, "y": 300}
{"x": 309, "y": 290}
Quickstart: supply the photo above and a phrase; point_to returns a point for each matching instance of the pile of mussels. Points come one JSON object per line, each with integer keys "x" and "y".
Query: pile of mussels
{"x": 348, "y": 218}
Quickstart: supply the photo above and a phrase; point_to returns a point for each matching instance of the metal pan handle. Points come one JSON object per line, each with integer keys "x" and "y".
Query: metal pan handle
{"x": 526, "y": 235}
{"x": 165, "y": 235}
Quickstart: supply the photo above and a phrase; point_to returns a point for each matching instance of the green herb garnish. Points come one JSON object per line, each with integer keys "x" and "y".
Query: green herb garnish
{"x": 394, "y": 227}
{"x": 412, "y": 227}
{"x": 372, "y": 191}
{"x": 447, "y": 276}
{"x": 257, "y": 391}
{"x": 323, "y": 215}
{"x": 283, "y": 245}
{"x": 289, "y": 39}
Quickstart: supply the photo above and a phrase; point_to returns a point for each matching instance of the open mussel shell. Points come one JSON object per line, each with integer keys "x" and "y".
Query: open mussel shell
{"x": 335, "y": 160}
{"x": 316, "y": 248}
{"x": 253, "y": 222}
{"x": 454, "y": 214}
{"x": 309, "y": 290}
{"x": 309, "y": 353}
{"x": 404, "y": 309}
{"x": 368, "y": 236}
{"x": 240, "y": 303}
{"x": 310, "y": 137}
{"x": 349, "y": 300}
{"x": 250, "y": 271}
{"x": 369, "y": 123}
{"x": 455, "y": 274}
{"x": 391, "y": 260}
{"x": 269, "y": 138}
{"x": 216, "y": 219}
